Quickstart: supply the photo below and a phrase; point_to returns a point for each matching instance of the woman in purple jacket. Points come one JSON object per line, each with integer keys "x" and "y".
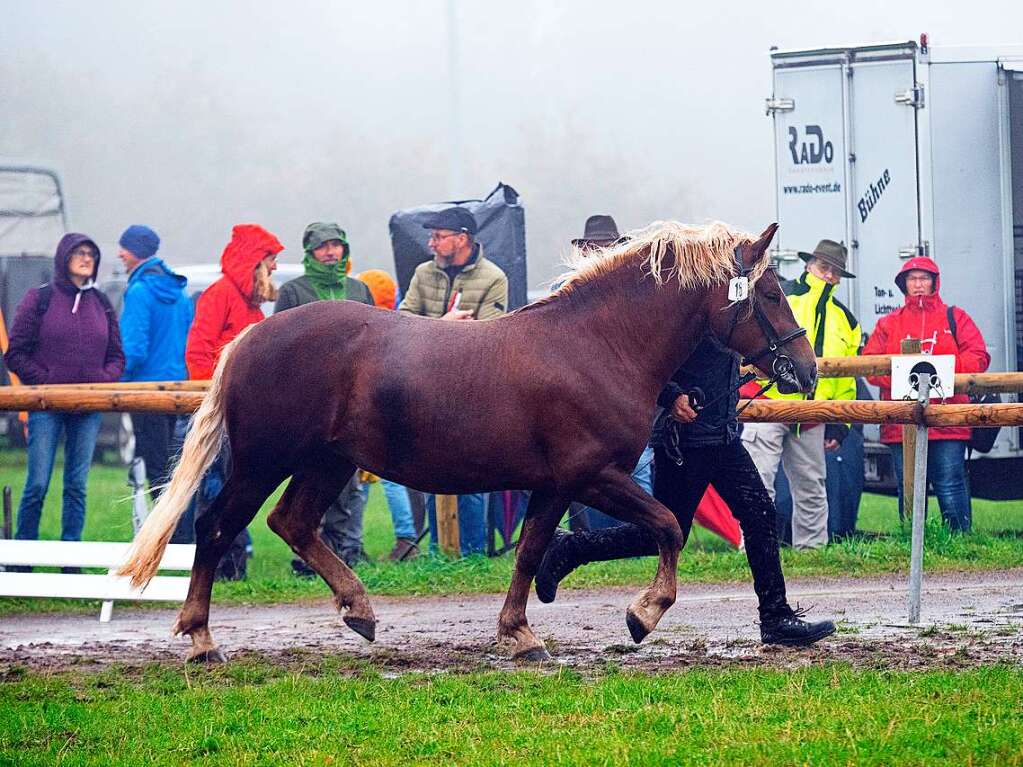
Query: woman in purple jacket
{"x": 63, "y": 332}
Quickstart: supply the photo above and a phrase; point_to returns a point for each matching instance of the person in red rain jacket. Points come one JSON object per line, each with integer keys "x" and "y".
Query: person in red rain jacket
{"x": 232, "y": 303}
{"x": 926, "y": 316}
{"x": 224, "y": 310}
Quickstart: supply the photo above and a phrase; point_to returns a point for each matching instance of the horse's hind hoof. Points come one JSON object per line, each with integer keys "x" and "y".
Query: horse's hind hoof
{"x": 208, "y": 657}
{"x": 636, "y": 628}
{"x": 367, "y": 629}
{"x": 533, "y": 655}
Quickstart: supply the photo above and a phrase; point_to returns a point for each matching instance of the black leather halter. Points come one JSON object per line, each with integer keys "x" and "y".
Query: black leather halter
{"x": 780, "y": 363}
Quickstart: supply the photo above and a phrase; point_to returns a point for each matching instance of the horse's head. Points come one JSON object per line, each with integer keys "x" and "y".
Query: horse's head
{"x": 751, "y": 315}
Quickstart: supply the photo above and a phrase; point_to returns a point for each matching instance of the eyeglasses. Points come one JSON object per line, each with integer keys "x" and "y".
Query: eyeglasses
{"x": 84, "y": 254}
{"x": 436, "y": 237}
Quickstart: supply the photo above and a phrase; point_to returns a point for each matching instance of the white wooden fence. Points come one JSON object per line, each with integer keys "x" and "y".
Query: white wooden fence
{"x": 108, "y": 587}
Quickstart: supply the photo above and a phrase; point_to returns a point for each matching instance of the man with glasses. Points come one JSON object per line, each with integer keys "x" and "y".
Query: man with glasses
{"x": 833, "y": 331}
{"x": 457, "y": 284}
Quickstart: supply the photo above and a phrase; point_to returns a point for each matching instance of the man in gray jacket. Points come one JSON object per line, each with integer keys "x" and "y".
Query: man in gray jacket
{"x": 326, "y": 260}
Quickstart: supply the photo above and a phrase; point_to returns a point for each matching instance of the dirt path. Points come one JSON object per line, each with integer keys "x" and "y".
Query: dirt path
{"x": 968, "y": 619}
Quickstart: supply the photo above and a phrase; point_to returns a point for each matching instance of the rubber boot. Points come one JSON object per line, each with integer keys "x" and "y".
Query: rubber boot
{"x": 568, "y": 551}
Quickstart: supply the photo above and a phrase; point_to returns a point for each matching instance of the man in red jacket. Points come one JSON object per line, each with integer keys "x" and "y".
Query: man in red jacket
{"x": 942, "y": 329}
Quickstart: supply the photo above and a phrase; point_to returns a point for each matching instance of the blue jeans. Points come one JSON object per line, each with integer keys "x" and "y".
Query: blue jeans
{"x": 401, "y": 510}
{"x": 642, "y": 474}
{"x": 44, "y": 430}
{"x": 946, "y": 473}
{"x": 472, "y": 522}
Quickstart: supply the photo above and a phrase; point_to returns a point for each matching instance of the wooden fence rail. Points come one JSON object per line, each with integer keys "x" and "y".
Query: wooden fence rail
{"x": 772, "y": 411}
{"x": 827, "y": 367}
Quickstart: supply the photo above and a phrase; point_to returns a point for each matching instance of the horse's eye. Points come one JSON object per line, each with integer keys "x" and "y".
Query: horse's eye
{"x": 774, "y": 298}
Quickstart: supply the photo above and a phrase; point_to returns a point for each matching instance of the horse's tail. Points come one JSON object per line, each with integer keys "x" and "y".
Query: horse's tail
{"x": 199, "y": 451}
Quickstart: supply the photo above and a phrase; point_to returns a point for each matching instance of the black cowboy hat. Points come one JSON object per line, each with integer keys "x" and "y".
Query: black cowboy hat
{"x": 599, "y": 229}
{"x": 830, "y": 252}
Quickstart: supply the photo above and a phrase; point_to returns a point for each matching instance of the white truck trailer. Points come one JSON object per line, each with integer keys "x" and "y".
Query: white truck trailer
{"x": 902, "y": 149}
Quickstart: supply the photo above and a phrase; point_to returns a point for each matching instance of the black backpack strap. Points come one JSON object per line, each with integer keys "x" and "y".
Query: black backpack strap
{"x": 45, "y": 292}
{"x": 952, "y": 323}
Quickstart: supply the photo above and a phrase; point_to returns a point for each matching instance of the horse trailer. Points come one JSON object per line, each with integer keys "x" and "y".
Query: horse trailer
{"x": 901, "y": 149}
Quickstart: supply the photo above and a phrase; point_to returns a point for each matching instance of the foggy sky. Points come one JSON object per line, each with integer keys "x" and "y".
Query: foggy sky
{"x": 193, "y": 116}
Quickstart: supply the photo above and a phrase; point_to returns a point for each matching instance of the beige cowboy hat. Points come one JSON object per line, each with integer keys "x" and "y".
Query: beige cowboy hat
{"x": 830, "y": 252}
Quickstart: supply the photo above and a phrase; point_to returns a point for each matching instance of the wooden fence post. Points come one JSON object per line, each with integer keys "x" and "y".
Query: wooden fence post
{"x": 909, "y": 346}
{"x": 447, "y": 525}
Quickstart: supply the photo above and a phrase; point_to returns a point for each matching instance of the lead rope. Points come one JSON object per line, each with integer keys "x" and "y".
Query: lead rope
{"x": 674, "y": 449}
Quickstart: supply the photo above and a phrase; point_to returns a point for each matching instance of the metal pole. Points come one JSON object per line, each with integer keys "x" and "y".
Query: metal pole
{"x": 908, "y": 346}
{"x": 916, "y": 558}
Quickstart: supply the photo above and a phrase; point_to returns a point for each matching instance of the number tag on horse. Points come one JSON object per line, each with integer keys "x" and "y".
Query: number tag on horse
{"x": 738, "y": 289}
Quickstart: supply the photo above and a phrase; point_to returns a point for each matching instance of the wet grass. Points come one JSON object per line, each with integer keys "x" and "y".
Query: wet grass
{"x": 884, "y": 549}
{"x": 336, "y": 712}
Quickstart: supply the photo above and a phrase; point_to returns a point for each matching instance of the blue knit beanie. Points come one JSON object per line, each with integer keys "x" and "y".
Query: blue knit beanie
{"x": 140, "y": 240}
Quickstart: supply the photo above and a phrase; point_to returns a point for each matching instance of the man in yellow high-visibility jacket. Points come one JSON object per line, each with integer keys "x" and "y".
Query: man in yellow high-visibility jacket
{"x": 834, "y": 332}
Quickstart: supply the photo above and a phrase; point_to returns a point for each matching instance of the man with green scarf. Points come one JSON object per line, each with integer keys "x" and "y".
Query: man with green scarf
{"x": 326, "y": 260}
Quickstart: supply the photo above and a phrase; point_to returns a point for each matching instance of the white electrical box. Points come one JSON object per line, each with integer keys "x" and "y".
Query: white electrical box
{"x": 910, "y": 371}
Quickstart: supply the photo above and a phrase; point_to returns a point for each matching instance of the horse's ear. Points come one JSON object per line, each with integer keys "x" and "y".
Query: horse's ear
{"x": 764, "y": 241}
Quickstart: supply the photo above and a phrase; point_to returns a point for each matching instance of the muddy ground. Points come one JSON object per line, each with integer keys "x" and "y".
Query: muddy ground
{"x": 968, "y": 620}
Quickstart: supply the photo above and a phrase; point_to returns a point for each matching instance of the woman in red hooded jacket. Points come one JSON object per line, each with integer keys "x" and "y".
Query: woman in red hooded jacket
{"x": 224, "y": 310}
{"x": 232, "y": 303}
{"x": 942, "y": 329}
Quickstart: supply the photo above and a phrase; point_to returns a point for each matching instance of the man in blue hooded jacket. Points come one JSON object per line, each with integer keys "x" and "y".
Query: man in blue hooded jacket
{"x": 154, "y": 327}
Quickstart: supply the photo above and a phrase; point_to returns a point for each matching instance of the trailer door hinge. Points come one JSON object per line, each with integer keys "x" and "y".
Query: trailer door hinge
{"x": 912, "y": 251}
{"x": 780, "y": 256}
{"x": 779, "y": 105}
{"x": 914, "y": 97}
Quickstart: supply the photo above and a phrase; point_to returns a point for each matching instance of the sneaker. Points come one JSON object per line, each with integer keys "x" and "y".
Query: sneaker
{"x": 403, "y": 550}
{"x": 788, "y": 629}
{"x": 301, "y": 569}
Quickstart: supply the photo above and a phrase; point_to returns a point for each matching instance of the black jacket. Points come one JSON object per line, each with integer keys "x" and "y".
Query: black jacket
{"x": 714, "y": 369}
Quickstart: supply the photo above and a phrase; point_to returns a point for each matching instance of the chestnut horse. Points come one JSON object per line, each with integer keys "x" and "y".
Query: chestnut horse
{"x": 556, "y": 398}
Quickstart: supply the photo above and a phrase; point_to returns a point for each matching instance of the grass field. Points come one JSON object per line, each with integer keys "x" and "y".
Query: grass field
{"x": 324, "y": 709}
{"x": 706, "y": 558}
{"x": 330, "y": 712}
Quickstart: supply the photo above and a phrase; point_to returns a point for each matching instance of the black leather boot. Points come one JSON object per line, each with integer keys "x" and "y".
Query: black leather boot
{"x": 786, "y": 627}
{"x": 568, "y": 551}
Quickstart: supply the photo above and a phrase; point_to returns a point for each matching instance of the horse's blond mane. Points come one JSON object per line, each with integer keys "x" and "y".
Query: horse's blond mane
{"x": 703, "y": 256}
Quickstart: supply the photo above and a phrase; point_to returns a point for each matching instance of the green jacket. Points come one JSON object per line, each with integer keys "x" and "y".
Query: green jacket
{"x": 831, "y": 329}
{"x": 483, "y": 285}
{"x": 299, "y": 291}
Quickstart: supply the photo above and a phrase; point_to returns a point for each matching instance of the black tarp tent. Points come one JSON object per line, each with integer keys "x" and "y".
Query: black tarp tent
{"x": 501, "y": 220}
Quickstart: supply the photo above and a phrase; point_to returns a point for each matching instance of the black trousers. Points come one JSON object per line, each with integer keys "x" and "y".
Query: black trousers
{"x": 155, "y": 444}
{"x": 735, "y": 477}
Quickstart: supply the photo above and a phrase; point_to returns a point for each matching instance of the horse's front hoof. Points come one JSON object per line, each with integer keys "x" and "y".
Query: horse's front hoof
{"x": 208, "y": 657}
{"x": 364, "y": 627}
{"x": 533, "y": 655}
{"x": 637, "y": 628}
